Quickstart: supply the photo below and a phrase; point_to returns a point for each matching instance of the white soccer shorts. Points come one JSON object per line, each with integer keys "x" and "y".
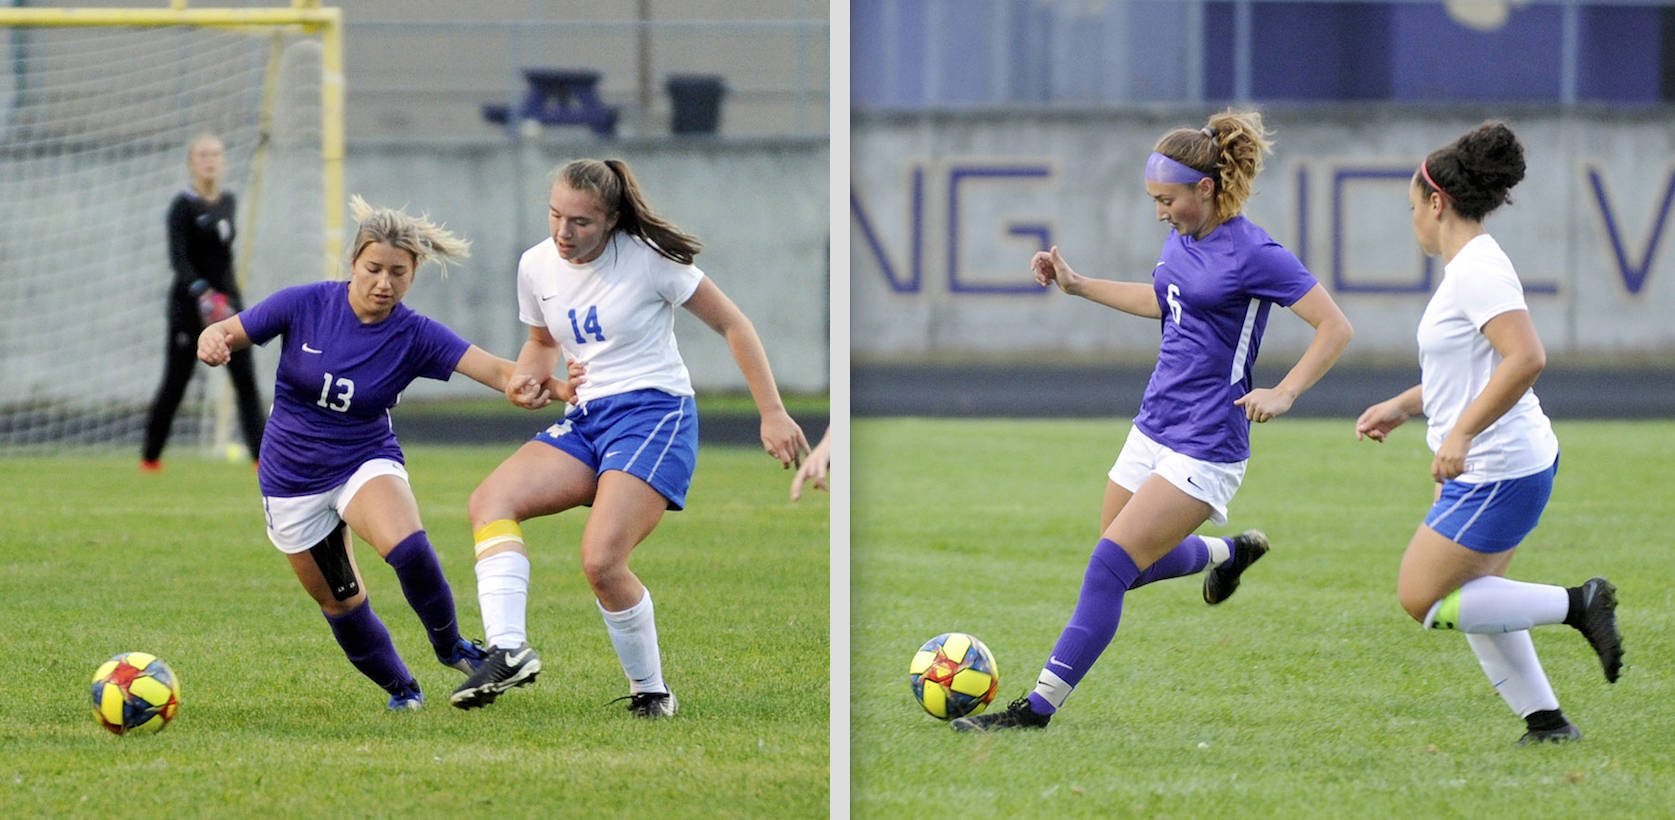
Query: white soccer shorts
{"x": 1211, "y": 482}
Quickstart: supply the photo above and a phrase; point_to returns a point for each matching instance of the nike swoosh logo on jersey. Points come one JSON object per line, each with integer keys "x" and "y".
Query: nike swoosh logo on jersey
{"x": 307, "y": 349}
{"x": 548, "y": 298}
{"x": 612, "y": 453}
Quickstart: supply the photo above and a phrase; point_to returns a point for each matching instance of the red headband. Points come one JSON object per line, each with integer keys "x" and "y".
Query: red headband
{"x": 1433, "y": 183}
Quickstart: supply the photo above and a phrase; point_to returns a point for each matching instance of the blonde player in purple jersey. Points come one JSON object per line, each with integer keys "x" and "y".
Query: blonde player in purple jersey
{"x": 600, "y": 292}
{"x": 330, "y": 457}
{"x": 1496, "y": 455}
{"x": 1212, "y": 288}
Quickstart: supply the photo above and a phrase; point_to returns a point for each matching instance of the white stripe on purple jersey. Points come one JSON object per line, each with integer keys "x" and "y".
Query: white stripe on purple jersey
{"x": 1215, "y": 294}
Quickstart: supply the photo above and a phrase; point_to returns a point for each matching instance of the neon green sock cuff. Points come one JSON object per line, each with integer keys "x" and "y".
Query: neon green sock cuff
{"x": 1444, "y": 614}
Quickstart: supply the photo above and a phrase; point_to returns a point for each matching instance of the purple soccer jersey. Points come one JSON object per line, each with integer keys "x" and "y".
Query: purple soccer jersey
{"x": 1215, "y": 294}
{"x": 338, "y": 379}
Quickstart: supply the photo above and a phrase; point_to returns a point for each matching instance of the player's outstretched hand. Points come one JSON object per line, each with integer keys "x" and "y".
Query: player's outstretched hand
{"x": 814, "y": 468}
{"x": 1265, "y": 403}
{"x": 1050, "y": 268}
{"x": 213, "y": 347}
{"x": 1377, "y": 421}
{"x": 783, "y": 439}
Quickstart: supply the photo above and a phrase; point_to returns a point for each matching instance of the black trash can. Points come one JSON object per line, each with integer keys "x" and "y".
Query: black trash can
{"x": 696, "y": 103}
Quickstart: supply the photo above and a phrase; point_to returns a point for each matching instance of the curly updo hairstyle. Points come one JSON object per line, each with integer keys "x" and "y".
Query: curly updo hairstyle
{"x": 1229, "y": 150}
{"x": 1476, "y": 172}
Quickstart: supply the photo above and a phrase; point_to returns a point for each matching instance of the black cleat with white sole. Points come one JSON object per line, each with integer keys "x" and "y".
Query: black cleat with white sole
{"x": 651, "y": 705}
{"x": 504, "y": 669}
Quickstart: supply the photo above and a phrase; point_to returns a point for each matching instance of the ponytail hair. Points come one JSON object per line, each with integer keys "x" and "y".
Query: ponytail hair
{"x": 424, "y": 239}
{"x": 615, "y": 186}
{"x": 1229, "y": 150}
{"x": 1475, "y": 172}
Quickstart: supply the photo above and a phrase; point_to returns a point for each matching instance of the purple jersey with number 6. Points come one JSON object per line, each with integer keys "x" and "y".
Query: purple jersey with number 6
{"x": 1215, "y": 294}
{"x": 338, "y": 379}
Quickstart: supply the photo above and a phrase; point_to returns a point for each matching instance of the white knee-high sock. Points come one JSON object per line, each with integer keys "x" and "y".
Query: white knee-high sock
{"x": 633, "y": 634}
{"x": 1508, "y": 658}
{"x": 1495, "y": 604}
{"x": 503, "y": 595}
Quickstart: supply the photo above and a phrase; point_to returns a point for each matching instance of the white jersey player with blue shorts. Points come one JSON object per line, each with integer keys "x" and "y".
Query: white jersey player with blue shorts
{"x": 599, "y": 296}
{"x": 614, "y": 316}
{"x": 1496, "y": 456}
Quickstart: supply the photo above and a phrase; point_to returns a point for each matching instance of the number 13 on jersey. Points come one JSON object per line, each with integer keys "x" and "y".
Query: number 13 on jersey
{"x": 588, "y": 324}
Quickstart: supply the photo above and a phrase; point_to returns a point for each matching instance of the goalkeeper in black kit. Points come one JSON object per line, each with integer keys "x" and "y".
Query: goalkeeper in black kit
{"x": 201, "y": 231}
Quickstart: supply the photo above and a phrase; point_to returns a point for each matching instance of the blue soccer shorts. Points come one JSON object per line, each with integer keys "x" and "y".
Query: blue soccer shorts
{"x": 1493, "y": 516}
{"x": 648, "y": 434}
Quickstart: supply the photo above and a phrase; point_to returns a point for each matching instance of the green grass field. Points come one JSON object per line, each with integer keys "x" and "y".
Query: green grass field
{"x": 1309, "y": 694}
{"x": 98, "y": 558}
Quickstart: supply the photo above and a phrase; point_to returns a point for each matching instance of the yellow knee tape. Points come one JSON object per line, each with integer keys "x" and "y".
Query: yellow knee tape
{"x": 495, "y": 533}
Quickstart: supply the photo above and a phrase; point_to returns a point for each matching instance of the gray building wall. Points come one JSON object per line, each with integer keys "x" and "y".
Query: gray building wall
{"x": 1587, "y": 229}
{"x": 760, "y": 207}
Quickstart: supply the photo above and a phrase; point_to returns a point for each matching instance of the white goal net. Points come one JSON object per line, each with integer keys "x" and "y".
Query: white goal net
{"x": 94, "y": 123}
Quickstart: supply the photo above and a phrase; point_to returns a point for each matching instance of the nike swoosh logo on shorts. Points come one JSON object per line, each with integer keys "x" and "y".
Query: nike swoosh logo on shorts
{"x": 307, "y": 349}
{"x": 1193, "y": 483}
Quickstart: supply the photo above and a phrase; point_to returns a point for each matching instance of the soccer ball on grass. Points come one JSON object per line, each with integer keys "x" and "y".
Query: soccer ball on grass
{"x": 135, "y": 692}
{"x": 954, "y": 675}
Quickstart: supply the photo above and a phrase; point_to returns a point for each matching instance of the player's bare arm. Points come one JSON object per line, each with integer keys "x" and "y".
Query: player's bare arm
{"x": 1332, "y": 333}
{"x": 220, "y": 340}
{"x": 1136, "y": 298}
{"x": 781, "y": 436}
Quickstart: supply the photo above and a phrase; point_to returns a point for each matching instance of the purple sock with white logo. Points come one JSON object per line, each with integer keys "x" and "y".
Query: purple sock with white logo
{"x": 1111, "y": 572}
{"x": 426, "y": 589}
{"x": 1187, "y": 558}
{"x": 367, "y": 643}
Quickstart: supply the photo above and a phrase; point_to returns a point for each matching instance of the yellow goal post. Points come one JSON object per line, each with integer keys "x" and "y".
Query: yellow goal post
{"x": 305, "y": 15}
{"x": 96, "y": 108}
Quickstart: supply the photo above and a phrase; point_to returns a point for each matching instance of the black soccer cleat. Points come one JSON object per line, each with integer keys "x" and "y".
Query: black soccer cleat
{"x": 1561, "y": 734}
{"x": 504, "y": 669}
{"x": 1222, "y": 580}
{"x": 650, "y": 705}
{"x": 1017, "y": 715}
{"x": 1598, "y": 623}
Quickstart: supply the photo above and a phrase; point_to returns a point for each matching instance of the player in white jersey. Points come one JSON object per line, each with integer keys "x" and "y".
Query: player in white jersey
{"x": 600, "y": 294}
{"x": 1496, "y": 455}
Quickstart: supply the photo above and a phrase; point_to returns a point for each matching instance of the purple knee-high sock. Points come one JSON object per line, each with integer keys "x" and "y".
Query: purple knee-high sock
{"x": 427, "y": 591}
{"x": 1094, "y": 622}
{"x": 367, "y": 643}
{"x": 1188, "y": 557}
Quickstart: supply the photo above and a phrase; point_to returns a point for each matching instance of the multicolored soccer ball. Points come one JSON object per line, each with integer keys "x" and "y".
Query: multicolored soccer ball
{"x": 135, "y": 692}
{"x": 954, "y": 675}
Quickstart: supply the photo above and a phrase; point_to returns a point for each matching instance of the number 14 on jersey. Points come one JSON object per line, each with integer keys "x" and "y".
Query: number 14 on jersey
{"x": 588, "y": 324}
